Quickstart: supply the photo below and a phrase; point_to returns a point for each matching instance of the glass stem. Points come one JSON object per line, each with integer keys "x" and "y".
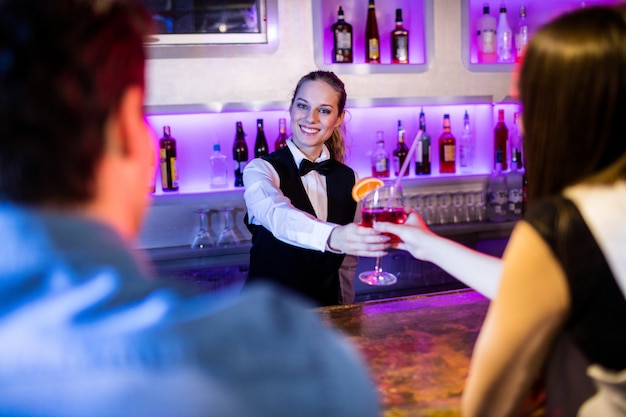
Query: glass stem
{"x": 378, "y": 270}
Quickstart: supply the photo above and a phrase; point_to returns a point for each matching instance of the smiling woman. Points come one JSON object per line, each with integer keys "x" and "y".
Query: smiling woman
{"x": 302, "y": 220}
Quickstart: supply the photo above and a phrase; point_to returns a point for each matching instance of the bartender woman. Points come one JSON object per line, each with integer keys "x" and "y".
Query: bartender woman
{"x": 300, "y": 209}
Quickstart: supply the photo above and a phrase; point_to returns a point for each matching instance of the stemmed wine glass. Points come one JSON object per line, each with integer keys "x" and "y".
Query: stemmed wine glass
{"x": 227, "y": 236}
{"x": 202, "y": 239}
{"x": 383, "y": 204}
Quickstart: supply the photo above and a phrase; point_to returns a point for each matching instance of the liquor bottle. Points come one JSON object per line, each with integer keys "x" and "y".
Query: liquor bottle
{"x": 504, "y": 37}
{"x": 399, "y": 42}
{"x": 372, "y": 40}
{"x": 342, "y": 38}
{"x": 380, "y": 157}
{"x": 240, "y": 154}
{"x": 447, "y": 148}
{"x": 515, "y": 185}
{"x": 521, "y": 34}
{"x": 500, "y": 139}
{"x": 260, "y": 145}
{"x": 486, "y": 32}
{"x": 497, "y": 193}
{"x": 169, "y": 174}
{"x": 516, "y": 140}
{"x": 281, "y": 140}
{"x": 466, "y": 147}
{"x": 218, "y": 168}
{"x": 422, "y": 153}
{"x": 401, "y": 151}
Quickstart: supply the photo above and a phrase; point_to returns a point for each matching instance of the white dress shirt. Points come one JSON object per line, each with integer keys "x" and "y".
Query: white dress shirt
{"x": 268, "y": 206}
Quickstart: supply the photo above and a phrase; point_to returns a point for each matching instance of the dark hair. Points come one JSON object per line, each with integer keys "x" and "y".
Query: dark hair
{"x": 64, "y": 65}
{"x": 335, "y": 143}
{"x": 573, "y": 91}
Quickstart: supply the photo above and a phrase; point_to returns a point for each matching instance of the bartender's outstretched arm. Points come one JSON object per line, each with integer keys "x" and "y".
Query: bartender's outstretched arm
{"x": 477, "y": 270}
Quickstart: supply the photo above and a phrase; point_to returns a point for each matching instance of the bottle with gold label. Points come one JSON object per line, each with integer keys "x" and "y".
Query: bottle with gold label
{"x": 169, "y": 174}
{"x": 447, "y": 148}
{"x": 372, "y": 40}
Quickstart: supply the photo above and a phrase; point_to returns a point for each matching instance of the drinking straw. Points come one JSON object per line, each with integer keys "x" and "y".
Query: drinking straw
{"x": 404, "y": 166}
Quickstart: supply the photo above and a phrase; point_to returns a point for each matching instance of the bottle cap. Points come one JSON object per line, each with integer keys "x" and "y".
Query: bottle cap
{"x": 216, "y": 147}
{"x": 398, "y": 15}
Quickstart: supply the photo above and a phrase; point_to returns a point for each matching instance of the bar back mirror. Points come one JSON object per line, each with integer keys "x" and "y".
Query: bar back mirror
{"x": 187, "y": 28}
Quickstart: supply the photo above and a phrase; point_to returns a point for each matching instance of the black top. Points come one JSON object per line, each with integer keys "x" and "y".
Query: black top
{"x": 596, "y": 322}
{"x": 308, "y": 272}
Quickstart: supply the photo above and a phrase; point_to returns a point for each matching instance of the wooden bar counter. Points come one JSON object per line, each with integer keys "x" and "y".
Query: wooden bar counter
{"x": 418, "y": 348}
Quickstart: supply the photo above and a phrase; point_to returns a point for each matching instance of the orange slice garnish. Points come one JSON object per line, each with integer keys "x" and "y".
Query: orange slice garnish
{"x": 364, "y": 186}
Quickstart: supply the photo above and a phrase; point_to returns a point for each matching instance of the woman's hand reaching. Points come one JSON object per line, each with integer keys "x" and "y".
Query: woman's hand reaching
{"x": 475, "y": 269}
{"x": 414, "y": 234}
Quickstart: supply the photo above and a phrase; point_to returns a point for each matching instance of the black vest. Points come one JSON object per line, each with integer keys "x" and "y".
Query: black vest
{"x": 308, "y": 272}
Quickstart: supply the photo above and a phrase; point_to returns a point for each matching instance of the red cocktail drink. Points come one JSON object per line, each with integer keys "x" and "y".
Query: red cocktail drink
{"x": 392, "y": 214}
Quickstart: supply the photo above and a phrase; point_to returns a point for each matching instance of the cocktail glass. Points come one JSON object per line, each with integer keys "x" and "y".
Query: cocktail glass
{"x": 227, "y": 236}
{"x": 383, "y": 204}
{"x": 202, "y": 239}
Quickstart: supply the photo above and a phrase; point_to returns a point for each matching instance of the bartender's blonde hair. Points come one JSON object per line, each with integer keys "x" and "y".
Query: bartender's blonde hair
{"x": 335, "y": 143}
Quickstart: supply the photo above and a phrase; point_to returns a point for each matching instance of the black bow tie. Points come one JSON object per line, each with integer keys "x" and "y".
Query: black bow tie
{"x": 307, "y": 166}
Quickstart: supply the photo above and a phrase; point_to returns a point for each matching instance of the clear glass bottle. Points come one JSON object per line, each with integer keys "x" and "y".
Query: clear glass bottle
{"x": 401, "y": 151}
{"x": 260, "y": 145}
{"x": 447, "y": 148}
{"x": 422, "y": 153}
{"x": 497, "y": 193}
{"x": 504, "y": 37}
{"x": 169, "y": 173}
{"x": 281, "y": 139}
{"x": 521, "y": 34}
{"x": 342, "y": 39}
{"x": 240, "y": 154}
{"x": 500, "y": 140}
{"x": 515, "y": 186}
{"x": 486, "y": 33}
{"x": 380, "y": 157}
{"x": 372, "y": 40}
{"x": 466, "y": 147}
{"x": 218, "y": 168}
{"x": 399, "y": 41}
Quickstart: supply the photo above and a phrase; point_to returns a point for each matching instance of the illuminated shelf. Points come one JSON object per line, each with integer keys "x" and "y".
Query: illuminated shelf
{"x": 417, "y": 19}
{"x": 197, "y": 127}
{"x": 538, "y": 12}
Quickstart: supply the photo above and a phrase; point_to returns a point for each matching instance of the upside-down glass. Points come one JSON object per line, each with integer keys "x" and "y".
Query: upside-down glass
{"x": 227, "y": 236}
{"x": 384, "y": 204}
{"x": 202, "y": 239}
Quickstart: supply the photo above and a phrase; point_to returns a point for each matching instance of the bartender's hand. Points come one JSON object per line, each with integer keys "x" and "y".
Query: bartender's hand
{"x": 353, "y": 239}
{"x": 414, "y": 234}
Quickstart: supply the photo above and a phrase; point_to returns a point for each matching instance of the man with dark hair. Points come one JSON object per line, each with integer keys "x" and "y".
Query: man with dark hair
{"x": 83, "y": 331}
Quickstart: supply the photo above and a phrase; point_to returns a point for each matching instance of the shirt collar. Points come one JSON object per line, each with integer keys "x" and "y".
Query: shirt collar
{"x": 298, "y": 156}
